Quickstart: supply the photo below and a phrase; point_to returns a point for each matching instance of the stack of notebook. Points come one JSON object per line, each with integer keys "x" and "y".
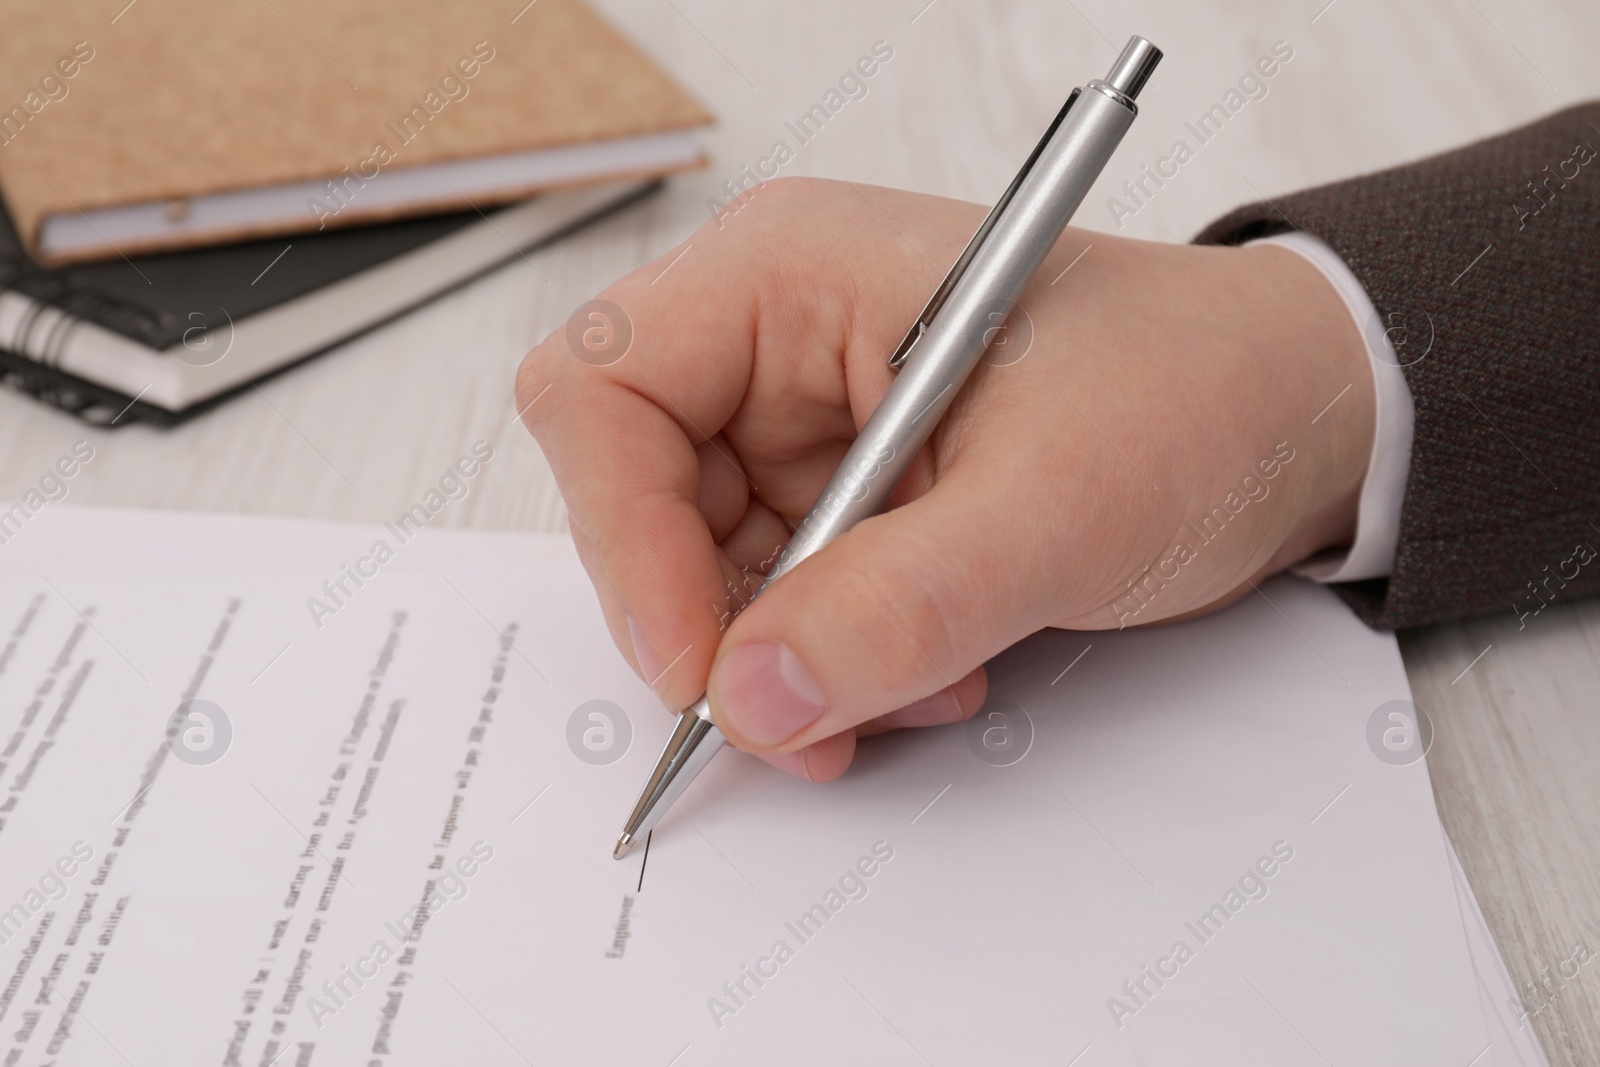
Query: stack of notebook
{"x": 197, "y": 196}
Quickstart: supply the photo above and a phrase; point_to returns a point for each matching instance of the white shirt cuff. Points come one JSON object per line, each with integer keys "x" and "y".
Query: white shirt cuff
{"x": 1383, "y": 492}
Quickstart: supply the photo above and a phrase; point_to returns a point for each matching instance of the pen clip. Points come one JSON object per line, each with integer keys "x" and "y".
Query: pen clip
{"x": 941, "y": 294}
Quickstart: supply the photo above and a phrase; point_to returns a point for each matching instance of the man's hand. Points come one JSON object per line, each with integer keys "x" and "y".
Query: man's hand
{"x": 1139, "y": 445}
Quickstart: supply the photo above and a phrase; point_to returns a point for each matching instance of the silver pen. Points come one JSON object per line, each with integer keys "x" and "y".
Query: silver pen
{"x": 942, "y": 348}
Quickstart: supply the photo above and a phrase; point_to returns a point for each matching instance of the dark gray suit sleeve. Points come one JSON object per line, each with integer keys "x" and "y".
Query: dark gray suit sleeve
{"x": 1484, "y": 267}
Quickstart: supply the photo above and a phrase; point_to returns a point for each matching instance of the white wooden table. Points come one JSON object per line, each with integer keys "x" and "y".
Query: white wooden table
{"x": 359, "y": 434}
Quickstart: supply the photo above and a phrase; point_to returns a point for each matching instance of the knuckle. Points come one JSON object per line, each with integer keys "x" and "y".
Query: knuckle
{"x": 535, "y": 374}
{"x": 527, "y": 371}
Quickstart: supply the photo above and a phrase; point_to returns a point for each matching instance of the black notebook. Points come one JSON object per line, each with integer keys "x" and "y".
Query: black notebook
{"x": 160, "y": 338}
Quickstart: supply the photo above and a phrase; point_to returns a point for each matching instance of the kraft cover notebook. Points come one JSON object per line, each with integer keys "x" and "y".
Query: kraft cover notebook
{"x": 177, "y": 123}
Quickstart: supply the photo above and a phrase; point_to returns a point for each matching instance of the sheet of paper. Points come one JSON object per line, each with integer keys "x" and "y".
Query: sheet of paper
{"x": 466, "y": 742}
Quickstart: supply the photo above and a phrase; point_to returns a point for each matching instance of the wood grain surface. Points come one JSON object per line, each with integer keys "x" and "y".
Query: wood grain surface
{"x": 360, "y": 434}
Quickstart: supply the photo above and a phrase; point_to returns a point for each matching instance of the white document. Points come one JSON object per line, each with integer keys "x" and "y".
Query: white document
{"x": 402, "y": 854}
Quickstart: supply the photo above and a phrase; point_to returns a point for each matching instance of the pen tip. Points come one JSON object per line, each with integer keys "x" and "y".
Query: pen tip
{"x": 624, "y": 846}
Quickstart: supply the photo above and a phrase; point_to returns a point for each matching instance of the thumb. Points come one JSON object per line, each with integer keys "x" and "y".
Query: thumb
{"x": 902, "y": 606}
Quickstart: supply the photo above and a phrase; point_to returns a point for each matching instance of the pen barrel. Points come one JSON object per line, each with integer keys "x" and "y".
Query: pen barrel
{"x": 1065, "y": 167}
{"x": 966, "y": 313}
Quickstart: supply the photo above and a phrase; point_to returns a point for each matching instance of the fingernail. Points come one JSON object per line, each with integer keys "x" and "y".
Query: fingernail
{"x": 767, "y": 693}
{"x": 649, "y": 663}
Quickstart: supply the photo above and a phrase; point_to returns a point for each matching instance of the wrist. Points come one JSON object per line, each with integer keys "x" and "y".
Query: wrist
{"x": 1339, "y": 422}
